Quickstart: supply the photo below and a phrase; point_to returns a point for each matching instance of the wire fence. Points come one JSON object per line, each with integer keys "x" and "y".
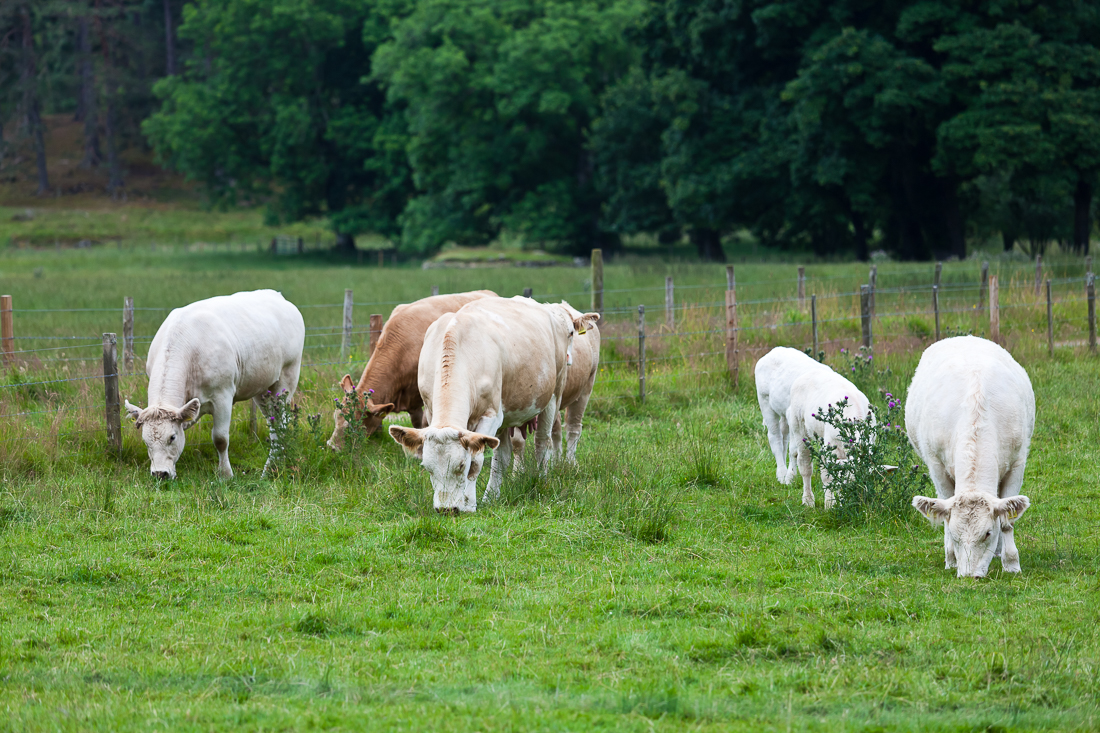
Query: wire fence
{"x": 52, "y": 384}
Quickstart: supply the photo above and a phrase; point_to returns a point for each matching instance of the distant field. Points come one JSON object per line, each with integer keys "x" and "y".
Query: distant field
{"x": 666, "y": 582}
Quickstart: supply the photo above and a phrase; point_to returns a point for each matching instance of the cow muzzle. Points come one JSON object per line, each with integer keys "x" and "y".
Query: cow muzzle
{"x": 163, "y": 474}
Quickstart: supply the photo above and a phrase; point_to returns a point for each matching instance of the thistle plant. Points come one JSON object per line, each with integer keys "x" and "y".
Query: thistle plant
{"x": 880, "y": 473}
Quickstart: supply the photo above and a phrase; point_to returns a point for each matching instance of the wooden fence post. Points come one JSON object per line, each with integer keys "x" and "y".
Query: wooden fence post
{"x": 435, "y": 290}
{"x": 641, "y": 354}
{"x": 128, "y": 334}
{"x": 865, "y": 315}
{"x": 1090, "y": 286}
{"x": 983, "y": 286}
{"x": 7, "y": 330}
{"x": 801, "y": 288}
{"x": 375, "y": 331}
{"x": 1050, "y": 322}
{"x": 1088, "y": 270}
{"x": 936, "y": 308}
{"x": 597, "y": 281}
{"x": 813, "y": 319}
{"x": 994, "y": 310}
{"x": 939, "y": 271}
{"x": 345, "y": 342}
{"x": 731, "y": 334}
{"x": 110, "y": 392}
{"x": 528, "y": 292}
{"x": 670, "y": 305}
{"x": 730, "y": 279}
{"x": 872, "y": 280}
{"x": 1038, "y": 273}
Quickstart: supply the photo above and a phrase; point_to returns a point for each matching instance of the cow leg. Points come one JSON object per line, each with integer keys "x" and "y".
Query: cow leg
{"x": 1010, "y": 486}
{"x": 826, "y": 481}
{"x": 574, "y": 418}
{"x": 543, "y": 431}
{"x": 518, "y": 444}
{"x": 267, "y": 407}
{"x": 502, "y": 458}
{"x": 777, "y": 430}
{"x": 805, "y": 467}
{"x": 945, "y": 489}
{"x": 555, "y": 437}
{"x": 417, "y": 416}
{"x": 223, "y": 417}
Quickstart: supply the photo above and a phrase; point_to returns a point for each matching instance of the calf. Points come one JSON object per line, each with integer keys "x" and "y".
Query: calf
{"x": 775, "y": 373}
{"x": 495, "y": 364}
{"x": 388, "y": 382}
{"x": 809, "y": 396}
{"x": 210, "y": 354}
{"x": 970, "y": 414}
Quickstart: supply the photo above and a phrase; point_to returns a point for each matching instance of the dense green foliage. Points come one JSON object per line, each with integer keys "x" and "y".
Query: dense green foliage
{"x": 834, "y": 126}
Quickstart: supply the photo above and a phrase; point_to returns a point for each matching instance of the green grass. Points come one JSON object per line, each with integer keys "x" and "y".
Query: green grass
{"x": 665, "y": 582}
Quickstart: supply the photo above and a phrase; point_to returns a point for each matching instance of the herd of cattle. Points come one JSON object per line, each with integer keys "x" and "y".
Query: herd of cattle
{"x": 477, "y": 371}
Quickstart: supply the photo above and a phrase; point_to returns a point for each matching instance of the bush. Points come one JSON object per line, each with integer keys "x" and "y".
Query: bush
{"x": 863, "y": 486}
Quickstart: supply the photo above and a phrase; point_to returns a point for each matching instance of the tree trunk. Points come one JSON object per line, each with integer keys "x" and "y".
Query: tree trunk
{"x": 859, "y": 227}
{"x": 30, "y": 102}
{"x": 114, "y": 166}
{"x": 87, "y": 97}
{"x": 345, "y": 243}
{"x": 169, "y": 40}
{"x": 708, "y": 243}
{"x": 1082, "y": 222}
{"x": 952, "y": 218}
{"x": 1008, "y": 240}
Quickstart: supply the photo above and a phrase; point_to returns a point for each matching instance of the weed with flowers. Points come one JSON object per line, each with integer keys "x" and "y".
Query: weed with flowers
{"x": 296, "y": 441}
{"x": 881, "y": 473}
{"x": 859, "y": 367}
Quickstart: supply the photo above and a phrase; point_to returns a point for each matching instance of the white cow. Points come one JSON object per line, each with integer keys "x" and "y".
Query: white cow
{"x": 581, "y": 377}
{"x": 775, "y": 374}
{"x": 811, "y": 394}
{"x": 495, "y": 364}
{"x": 970, "y": 414}
{"x": 210, "y": 354}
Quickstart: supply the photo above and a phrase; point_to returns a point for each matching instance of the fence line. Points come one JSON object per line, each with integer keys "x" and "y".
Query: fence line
{"x": 944, "y": 299}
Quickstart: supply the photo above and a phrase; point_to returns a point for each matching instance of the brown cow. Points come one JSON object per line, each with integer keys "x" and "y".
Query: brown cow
{"x": 389, "y": 382}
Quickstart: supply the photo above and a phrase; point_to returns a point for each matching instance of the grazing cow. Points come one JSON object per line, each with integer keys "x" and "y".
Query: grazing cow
{"x": 810, "y": 394}
{"x": 580, "y": 379}
{"x": 775, "y": 373}
{"x": 970, "y": 414}
{"x": 389, "y": 379}
{"x": 210, "y": 354}
{"x": 495, "y": 364}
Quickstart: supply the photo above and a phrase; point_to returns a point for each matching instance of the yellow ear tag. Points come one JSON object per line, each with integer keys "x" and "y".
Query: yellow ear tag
{"x": 582, "y": 332}
{"x": 1013, "y": 515}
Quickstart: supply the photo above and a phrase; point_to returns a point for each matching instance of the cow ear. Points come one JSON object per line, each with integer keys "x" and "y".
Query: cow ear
{"x": 190, "y": 411}
{"x": 347, "y": 384}
{"x": 585, "y": 321}
{"x": 477, "y": 442}
{"x": 1011, "y": 508}
{"x": 379, "y": 410}
{"x": 411, "y": 439}
{"x": 937, "y": 510}
{"x": 133, "y": 411}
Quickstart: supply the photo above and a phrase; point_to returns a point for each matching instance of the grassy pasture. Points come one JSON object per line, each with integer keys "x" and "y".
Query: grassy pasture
{"x": 665, "y": 582}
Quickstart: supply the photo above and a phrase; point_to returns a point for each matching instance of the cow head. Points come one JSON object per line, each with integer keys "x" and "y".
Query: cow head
{"x": 162, "y": 429}
{"x": 453, "y": 459}
{"x": 576, "y": 324}
{"x": 974, "y": 521}
{"x": 370, "y": 412}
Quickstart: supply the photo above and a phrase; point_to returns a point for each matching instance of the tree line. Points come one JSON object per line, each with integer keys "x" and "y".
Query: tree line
{"x": 838, "y": 126}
